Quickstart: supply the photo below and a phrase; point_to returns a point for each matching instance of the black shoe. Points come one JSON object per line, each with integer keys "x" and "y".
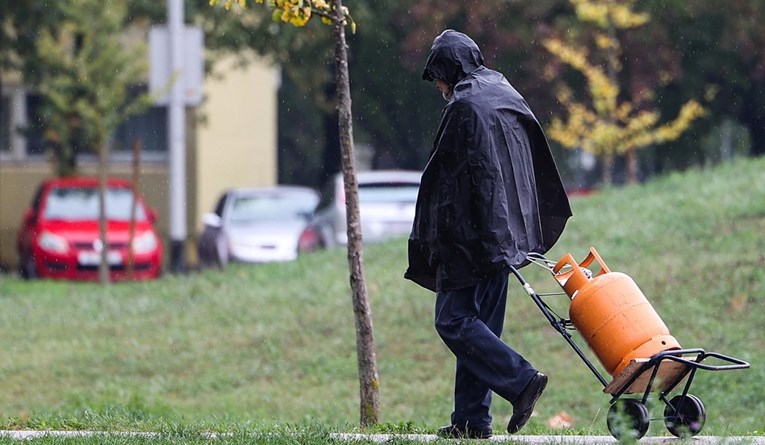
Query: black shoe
{"x": 464, "y": 432}
{"x": 524, "y": 405}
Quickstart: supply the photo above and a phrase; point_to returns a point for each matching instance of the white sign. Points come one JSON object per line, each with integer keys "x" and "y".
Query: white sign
{"x": 192, "y": 73}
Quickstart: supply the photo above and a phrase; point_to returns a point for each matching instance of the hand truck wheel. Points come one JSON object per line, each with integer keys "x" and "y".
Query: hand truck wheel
{"x": 628, "y": 419}
{"x": 685, "y": 415}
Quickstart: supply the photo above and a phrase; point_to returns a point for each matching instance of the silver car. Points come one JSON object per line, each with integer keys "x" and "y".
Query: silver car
{"x": 386, "y": 205}
{"x": 258, "y": 225}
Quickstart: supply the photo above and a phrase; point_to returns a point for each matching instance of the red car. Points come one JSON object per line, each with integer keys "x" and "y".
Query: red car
{"x": 59, "y": 236}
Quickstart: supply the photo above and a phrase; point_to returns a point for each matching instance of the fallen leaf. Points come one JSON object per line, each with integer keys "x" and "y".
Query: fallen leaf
{"x": 560, "y": 420}
{"x": 738, "y": 303}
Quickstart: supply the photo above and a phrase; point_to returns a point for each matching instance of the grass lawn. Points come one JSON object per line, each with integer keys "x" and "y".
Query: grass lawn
{"x": 269, "y": 348}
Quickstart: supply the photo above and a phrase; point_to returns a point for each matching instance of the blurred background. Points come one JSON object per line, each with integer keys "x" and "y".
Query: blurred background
{"x": 266, "y": 114}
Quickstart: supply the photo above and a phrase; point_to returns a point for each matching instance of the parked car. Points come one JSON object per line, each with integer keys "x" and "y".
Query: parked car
{"x": 258, "y": 225}
{"x": 386, "y": 205}
{"x": 59, "y": 235}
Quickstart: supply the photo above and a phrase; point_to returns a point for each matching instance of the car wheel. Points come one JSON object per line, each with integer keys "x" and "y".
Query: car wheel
{"x": 208, "y": 250}
{"x": 206, "y": 259}
{"x": 327, "y": 238}
{"x": 221, "y": 252}
{"x": 27, "y": 268}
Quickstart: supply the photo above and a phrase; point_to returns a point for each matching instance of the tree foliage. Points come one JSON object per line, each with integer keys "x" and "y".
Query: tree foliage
{"x": 89, "y": 71}
{"x": 607, "y": 124}
{"x": 298, "y": 12}
{"x": 718, "y": 47}
{"x": 684, "y": 51}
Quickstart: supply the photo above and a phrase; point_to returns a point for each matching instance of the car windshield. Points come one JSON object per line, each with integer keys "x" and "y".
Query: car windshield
{"x": 81, "y": 204}
{"x": 403, "y": 192}
{"x": 272, "y": 207}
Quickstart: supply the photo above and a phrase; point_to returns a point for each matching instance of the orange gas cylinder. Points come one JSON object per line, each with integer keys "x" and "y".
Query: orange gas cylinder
{"x": 611, "y": 313}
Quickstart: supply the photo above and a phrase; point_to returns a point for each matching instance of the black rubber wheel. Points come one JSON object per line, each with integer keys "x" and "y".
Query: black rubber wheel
{"x": 221, "y": 253}
{"x": 628, "y": 419}
{"x": 684, "y": 416}
{"x": 28, "y": 269}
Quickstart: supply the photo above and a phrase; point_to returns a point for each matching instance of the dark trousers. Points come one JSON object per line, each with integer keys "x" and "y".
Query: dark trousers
{"x": 470, "y": 322}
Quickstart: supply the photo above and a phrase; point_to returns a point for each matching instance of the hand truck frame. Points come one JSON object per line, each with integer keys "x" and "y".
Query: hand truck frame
{"x": 684, "y": 414}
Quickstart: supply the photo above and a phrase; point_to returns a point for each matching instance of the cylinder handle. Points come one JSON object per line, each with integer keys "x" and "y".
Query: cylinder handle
{"x": 577, "y": 275}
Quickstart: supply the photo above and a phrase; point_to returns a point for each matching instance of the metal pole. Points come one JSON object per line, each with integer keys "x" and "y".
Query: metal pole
{"x": 177, "y": 140}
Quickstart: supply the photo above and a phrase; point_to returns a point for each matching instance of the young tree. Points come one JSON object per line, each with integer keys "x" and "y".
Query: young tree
{"x": 608, "y": 126}
{"x": 333, "y": 13}
{"x": 85, "y": 84}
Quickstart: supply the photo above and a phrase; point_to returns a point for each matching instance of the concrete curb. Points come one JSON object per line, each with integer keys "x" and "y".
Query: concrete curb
{"x": 560, "y": 440}
{"x": 427, "y": 438}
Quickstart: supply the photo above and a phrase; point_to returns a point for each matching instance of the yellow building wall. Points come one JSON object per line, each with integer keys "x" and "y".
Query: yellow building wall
{"x": 233, "y": 145}
{"x": 237, "y": 136}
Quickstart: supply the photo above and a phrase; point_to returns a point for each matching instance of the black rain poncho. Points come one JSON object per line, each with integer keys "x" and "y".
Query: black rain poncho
{"x": 490, "y": 192}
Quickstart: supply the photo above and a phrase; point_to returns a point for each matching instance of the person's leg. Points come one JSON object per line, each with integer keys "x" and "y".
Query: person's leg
{"x": 493, "y": 314}
{"x": 494, "y": 302}
{"x": 472, "y": 399}
{"x": 470, "y": 321}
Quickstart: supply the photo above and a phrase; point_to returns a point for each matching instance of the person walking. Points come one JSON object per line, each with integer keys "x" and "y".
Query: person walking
{"x": 490, "y": 194}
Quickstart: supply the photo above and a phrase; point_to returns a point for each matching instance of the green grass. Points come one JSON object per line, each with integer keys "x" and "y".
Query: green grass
{"x": 262, "y": 348}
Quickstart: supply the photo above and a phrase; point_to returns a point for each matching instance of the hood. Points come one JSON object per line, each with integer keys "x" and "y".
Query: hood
{"x": 87, "y": 231}
{"x": 452, "y": 57}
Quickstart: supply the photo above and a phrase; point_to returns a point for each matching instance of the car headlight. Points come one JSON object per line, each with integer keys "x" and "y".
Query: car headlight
{"x": 145, "y": 242}
{"x": 52, "y": 242}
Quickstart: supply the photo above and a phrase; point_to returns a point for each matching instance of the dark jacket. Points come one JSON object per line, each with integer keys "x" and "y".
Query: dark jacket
{"x": 491, "y": 192}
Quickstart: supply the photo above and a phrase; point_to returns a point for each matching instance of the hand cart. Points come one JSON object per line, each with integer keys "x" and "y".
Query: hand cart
{"x": 631, "y": 342}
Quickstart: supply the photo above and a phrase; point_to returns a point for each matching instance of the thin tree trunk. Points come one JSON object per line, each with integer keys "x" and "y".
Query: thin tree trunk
{"x": 134, "y": 207}
{"x": 607, "y": 174}
{"x": 755, "y": 121}
{"x": 103, "y": 266}
{"x": 632, "y": 166}
{"x": 365, "y": 344}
